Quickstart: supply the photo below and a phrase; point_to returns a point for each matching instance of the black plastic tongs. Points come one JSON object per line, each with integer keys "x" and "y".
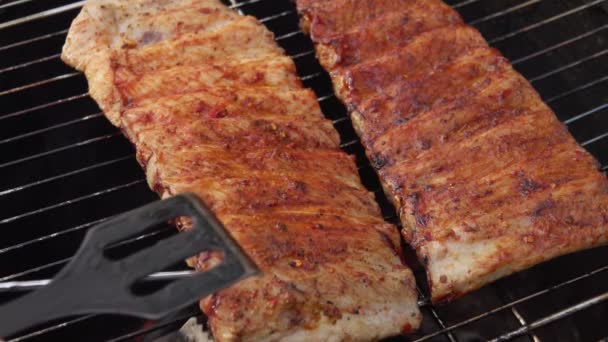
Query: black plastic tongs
{"x": 93, "y": 283}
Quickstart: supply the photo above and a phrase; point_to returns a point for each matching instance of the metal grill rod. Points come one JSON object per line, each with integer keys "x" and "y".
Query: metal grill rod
{"x": 31, "y": 40}
{"x": 42, "y": 14}
{"x": 39, "y": 83}
{"x": 22, "y": 187}
{"x": 29, "y": 285}
{"x": 13, "y": 3}
{"x": 50, "y": 35}
{"x": 311, "y": 76}
{"x": 49, "y": 128}
{"x": 577, "y": 89}
{"x": 287, "y": 35}
{"x": 65, "y": 8}
{"x": 65, "y": 260}
{"x": 535, "y": 54}
{"x": 569, "y": 66}
{"x": 559, "y": 45}
{"x": 553, "y": 317}
{"x": 42, "y": 106}
{"x": 71, "y": 201}
{"x": 282, "y": 14}
{"x": 64, "y": 175}
{"x": 275, "y": 16}
{"x": 522, "y": 322}
{"x": 52, "y": 328}
{"x": 53, "y": 235}
{"x": 515, "y": 302}
{"x": 34, "y": 269}
{"x": 436, "y": 316}
{"x": 545, "y": 21}
{"x": 72, "y": 74}
{"x": 60, "y": 149}
{"x": 263, "y": 20}
{"x": 592, "y": 140}
{"x": 145, "y": 331}
{"x": 504, "y": 12}
{"x": 26, "y": 64}
{"x": 302, "y": 54}
{"x": 89, "y": 117}
{"x": 84, "y": 226}
{"x": 585, "y": 114}
{"x": 464, "y": 3}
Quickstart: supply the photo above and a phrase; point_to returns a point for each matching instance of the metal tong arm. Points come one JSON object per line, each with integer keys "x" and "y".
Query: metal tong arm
{"x": 93, "y": 283}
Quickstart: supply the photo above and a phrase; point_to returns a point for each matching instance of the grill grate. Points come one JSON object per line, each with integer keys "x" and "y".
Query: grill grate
{"x": 66, "y": 168}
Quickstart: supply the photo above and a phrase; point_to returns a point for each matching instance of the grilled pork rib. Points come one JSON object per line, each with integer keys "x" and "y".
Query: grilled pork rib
{"x": 214, "y": 107}
{"x": 485, "y": 178}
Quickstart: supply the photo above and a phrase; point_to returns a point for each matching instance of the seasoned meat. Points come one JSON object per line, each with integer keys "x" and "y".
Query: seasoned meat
{"x": 486, "y": 180}
{"x": 214, "y": 107}
{"x": 398, "y": 28}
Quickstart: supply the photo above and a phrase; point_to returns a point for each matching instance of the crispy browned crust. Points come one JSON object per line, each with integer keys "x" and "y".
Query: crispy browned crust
{"x": 485, "y": 178}
{"x": 214, "y": 107}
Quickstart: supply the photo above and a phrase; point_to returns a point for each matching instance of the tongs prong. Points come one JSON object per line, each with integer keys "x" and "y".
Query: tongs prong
{"x": 94, "y": 283}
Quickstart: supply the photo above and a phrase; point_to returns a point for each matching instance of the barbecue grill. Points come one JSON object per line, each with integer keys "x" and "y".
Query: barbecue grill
{"x": 65, "y": 168}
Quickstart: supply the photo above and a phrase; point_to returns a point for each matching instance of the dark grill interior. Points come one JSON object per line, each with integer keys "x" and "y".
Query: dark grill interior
{"x": 66, "y": 168}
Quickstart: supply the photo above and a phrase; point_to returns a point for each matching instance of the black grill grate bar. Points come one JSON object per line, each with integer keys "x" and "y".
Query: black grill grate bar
{"x": 49, "y": 128}
{"x": 26, "y": 64}
{"x": 569, "y": 65}
{"x": 64, "y": 175}
{"x": 321, "y": 98}
{"x": 145, "y": 331}
{"x": 470, "y": 1}
{"x": 35, "y": 269}
{"x": 293, "y": 33}
{"x": 40, "y": 15}
{"x": 585, "y": 114}
{"x": 13, "y": 3}
{"x": 52, "y": 328}
{"x": 66, "y": 260}
{"x": 577, "y": 89}
{"x": 545, "y": 21}
{"x": 75, "y": 5}
{"x": 515, "y": 302}
{"x": 87, "y": 196}
{"x": 54, "y": 235}
{"x": 504, "y": 12}
{"x": 436, "y": 317}
{"x": 275, "y": 16}
{"x": 592, "y": 140}
{"x": 559, "y": 45}
{"x": 89, "y": 117}
{"x": 303, "y": 54}
{"x": 39, "y": 83}
{"x": 60, "y": 149}
{"x": 288, "y": 35}
{"x": 522, "y": 322}
{"x": 72, "y": 74}
{"x": 71, "y": 201}
{"x": 464, "y": 3}
{"x": 42, "y": 106}
{"x": 553, "y": 317}
{"x": 58, "y": 33}
{"x": 32, "y": 40}
{"x": 311, "y": 52}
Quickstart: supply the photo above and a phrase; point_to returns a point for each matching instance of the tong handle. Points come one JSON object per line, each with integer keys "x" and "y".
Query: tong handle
{"x": 92, "y": 283}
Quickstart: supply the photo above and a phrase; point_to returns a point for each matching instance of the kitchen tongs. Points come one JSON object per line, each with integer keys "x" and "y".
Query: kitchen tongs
{"x": 92, "y": 282}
